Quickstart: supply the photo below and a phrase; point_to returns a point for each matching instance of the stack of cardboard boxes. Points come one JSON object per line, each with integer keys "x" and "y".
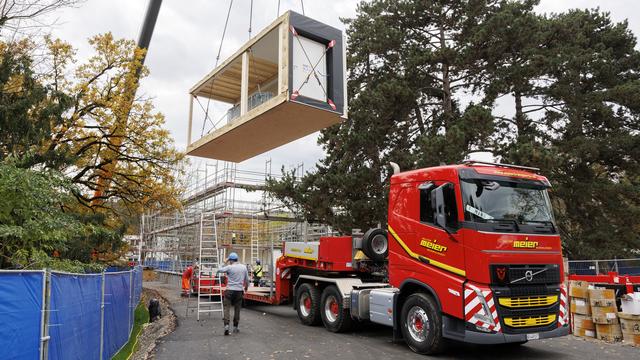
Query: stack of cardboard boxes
{"x": 594, "y": 313}
{"x": 630, "y": 318}
{"x": 604, "y": 313}
{"x": 583, "y": 326}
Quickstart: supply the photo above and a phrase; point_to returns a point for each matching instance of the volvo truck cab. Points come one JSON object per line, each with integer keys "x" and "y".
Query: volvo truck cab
{"x": 471, "y": 252}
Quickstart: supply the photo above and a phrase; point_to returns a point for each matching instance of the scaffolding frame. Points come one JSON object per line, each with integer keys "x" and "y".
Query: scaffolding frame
{"x": 249, "y": 221}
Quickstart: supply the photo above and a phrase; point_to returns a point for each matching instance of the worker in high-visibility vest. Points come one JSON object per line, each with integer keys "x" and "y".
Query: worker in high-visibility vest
{"x": 187, "y": 274}
{"x": 257, "y": 273}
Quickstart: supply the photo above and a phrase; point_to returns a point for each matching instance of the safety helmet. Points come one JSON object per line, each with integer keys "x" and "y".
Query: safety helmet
{"x": 258, "y": 261}
{"x": 233, "y": 256}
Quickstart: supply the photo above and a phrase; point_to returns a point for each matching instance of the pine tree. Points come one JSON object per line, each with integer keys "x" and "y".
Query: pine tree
{"x": 406, "y": 61}
{"x": 592, "y": 122}
{"x": 572, "y": 89}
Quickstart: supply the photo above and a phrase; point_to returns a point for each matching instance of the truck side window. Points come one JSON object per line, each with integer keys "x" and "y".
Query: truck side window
{"x": 426, "y": 206}
{"x": 450, "y": 207}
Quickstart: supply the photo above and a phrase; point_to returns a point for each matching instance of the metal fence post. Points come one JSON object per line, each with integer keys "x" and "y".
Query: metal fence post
{"x": 102, "y": 316}
{"x": 130, "y": 300}
{"x": 44, "y": 316}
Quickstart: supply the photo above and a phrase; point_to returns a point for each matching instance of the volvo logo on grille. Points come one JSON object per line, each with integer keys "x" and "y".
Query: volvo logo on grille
{"x": 528, "y": 275}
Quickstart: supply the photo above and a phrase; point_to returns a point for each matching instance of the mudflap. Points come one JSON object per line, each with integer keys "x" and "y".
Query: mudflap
{"x": 397, "y": 332}
{"x": 453, "y": 328}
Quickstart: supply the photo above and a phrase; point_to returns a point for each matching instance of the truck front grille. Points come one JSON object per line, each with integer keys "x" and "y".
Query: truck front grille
{"x": 527, "y": 296}
{"x": 529, "y": 321}
{"x": 528, "y": 301}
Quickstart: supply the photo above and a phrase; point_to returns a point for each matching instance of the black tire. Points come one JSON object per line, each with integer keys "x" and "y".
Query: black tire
{"x": 334, "y": 316}
{"x": 422, "y": 307}
{"x": 375, "y": 244}
{"x": 309, "y": 312}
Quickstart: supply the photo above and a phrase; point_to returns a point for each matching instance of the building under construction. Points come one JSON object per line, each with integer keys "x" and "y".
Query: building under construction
{"x": 232, "y": 205}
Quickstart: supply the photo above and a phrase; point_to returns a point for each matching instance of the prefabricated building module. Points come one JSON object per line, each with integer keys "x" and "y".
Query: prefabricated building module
{"x": 285, "y": 83}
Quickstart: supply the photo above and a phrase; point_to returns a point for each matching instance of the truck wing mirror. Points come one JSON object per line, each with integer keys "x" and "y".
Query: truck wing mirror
{"x": 440, "y": 217}
{"x": 426, "y": 185}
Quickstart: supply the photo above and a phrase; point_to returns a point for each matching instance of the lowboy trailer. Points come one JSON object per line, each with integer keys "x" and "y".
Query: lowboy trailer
{"x": 471, "y": 253}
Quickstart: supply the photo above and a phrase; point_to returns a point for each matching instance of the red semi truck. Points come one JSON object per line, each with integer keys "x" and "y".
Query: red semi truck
{"x": 471, "y": 253}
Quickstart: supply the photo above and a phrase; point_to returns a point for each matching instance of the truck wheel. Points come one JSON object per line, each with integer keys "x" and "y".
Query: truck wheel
{"x": 308, "y": 304}
{"x": 422, "y": 324}
{"x": 334, "y": 316}
{"x": 375, "y": 244}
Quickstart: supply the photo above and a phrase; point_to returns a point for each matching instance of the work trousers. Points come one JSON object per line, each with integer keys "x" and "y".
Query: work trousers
{"x": 232, "y": 298}
{"x": 186, "y": 285}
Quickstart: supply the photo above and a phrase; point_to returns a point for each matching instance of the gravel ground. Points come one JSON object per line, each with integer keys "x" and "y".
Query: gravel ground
{"x": 274, "y": 332}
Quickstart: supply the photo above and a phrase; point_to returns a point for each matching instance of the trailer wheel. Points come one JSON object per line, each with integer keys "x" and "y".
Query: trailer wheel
{"x": 308, "y": 304}
{"x": 421, "y": 324}
{"x": 334, "y": 316}
{"x": 375, "y": 244}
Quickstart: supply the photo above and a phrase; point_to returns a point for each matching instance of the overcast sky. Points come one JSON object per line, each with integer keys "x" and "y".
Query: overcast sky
{"x": 187, "y": 37}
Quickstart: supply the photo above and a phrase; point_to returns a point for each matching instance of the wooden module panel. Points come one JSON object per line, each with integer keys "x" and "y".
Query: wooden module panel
{"x": 278, "y": 122}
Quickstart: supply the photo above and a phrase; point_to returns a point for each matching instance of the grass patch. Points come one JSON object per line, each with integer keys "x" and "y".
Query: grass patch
{"x": 141, "y": 316}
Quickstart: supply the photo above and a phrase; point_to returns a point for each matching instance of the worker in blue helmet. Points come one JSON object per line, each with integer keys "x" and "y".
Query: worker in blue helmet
{"x": 257, "y": 273}
{"x": 237, "y": 284}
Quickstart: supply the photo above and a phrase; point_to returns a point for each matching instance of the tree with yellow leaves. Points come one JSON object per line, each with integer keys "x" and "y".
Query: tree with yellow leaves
{"x": 107, "y": 133}
{"x": 84, "y": 121}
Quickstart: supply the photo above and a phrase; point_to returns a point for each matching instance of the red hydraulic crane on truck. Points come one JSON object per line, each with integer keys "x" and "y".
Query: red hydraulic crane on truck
{"x": 471, "y": 253}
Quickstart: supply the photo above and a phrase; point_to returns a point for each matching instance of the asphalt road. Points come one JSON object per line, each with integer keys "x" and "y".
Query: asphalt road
{"x": 274, "y": 332}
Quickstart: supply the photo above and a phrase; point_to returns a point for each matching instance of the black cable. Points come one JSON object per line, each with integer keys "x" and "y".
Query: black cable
{"x": 224, "y": 32}
{"x": 250, "y": 18}
{"x": 302, "y": 2}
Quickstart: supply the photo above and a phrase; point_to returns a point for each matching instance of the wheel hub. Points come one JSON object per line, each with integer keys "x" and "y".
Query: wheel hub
{"x": 418, "y": 324}
{"x": 334, "y": 307}
{"x": 379, "y": 244}
{"x": 305, "y": 304}
{"x": 331, "y": 309}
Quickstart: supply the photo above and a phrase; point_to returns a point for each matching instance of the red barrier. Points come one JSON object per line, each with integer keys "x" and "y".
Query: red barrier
{"x": 612, "y": 278}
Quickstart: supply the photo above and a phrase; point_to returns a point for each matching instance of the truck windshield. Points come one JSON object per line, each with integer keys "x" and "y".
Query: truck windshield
{"x": 489, "y": 201}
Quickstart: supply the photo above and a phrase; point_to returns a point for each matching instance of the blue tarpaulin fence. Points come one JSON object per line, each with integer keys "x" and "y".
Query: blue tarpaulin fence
{"x": 21, "y": 305}
{"x": 56, "y": 315}
{"x": 117, "y": 311}
{"x": 74, "y": 320}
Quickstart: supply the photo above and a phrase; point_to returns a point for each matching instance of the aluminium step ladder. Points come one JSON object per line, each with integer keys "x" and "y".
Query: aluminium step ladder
{"x": 255, "y": 240}
{"x": 209, "y": 280}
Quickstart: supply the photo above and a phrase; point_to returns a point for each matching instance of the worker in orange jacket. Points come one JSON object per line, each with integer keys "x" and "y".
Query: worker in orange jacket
{"x": 187, "y": 274}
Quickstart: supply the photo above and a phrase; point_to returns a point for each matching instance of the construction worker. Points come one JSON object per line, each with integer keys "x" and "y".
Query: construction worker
{"x": 257, "y": 273}
{"x": 237, "y": 283}
{"x": 187, "y": 274}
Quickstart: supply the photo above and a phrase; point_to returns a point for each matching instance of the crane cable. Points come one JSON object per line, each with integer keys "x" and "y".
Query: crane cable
{"x": 224, "y": 33}
{"x": 250, "y": 17}
{"x": 250, "y": 50}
